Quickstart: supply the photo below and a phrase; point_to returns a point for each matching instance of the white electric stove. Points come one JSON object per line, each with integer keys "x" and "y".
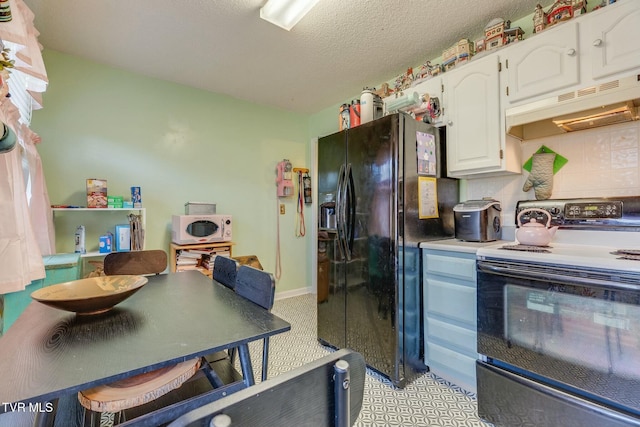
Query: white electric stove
{"x": 593, "y": 233}
{"x": 558, "y": 326}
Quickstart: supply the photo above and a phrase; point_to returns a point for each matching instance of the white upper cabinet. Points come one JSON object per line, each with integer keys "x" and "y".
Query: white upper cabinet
{"x": 592, "y": 49}
{"x": 544, "y": 63}
{"x": 578, "y": 53}
{"x": 614, "y": 38}
{"x": 472, "y": 105}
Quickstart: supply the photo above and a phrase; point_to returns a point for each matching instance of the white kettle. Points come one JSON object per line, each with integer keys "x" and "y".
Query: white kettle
{"x": 535, "y": 233}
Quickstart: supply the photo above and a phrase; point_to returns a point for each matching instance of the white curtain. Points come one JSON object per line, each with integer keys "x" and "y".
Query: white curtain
{"x": 26, "y": 220}
{"x": 39, "y": 204}
{"x": 20, "y": 256}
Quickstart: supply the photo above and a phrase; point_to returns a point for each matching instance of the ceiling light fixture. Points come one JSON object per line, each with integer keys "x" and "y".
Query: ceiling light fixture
{"x": 286, "y": 13}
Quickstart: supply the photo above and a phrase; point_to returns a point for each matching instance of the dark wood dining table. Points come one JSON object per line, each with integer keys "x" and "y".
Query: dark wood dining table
{"x": 48, "y": 353}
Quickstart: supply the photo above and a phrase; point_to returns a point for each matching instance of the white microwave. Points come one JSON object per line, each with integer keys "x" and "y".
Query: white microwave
{"x": 188, "y": 229}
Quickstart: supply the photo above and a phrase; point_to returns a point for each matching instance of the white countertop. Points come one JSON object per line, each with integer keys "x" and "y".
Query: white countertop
{"x": 458, "y": 245}
{"x": 591, "y": 249}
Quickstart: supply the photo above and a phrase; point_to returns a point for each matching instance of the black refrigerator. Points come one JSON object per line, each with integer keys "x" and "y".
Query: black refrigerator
{"x": 381, "y": 191}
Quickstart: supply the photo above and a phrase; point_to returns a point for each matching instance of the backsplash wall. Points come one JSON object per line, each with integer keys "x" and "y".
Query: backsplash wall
{"x": 602, "y": 162}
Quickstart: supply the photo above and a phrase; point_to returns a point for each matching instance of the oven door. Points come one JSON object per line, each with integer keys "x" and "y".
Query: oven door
{"x": 569, "y": 328}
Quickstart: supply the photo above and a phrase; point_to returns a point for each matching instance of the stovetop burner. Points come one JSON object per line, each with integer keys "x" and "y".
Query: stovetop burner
{"x": 630, "y": 254}
{"x": 527, "y": 248}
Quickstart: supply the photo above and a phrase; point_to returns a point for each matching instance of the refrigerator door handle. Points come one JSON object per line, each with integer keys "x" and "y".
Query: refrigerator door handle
{"x": 339, "y": 211}
{"x": 350, "y": 219}
{"x": 343, "y": 218}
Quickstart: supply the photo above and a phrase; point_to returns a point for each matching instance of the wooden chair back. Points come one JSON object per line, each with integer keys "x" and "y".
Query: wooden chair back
{"x": 257, "y": 286}
{"x": 225, "y": 270}
{"x": 135, "y": 262}
{"x": 322, "y": 393}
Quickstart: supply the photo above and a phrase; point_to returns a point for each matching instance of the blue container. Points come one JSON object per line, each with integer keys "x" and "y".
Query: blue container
{"x": 105, "y": 245}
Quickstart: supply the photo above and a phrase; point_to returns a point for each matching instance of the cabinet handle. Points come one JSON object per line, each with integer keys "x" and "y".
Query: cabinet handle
{"x": 450, "y": 123}
{"x": 571, "y": 52}
{"x": 597, "y": 42}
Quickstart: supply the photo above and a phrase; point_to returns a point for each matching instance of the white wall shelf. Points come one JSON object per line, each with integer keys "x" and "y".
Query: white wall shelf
{"x": 93, "y": 254}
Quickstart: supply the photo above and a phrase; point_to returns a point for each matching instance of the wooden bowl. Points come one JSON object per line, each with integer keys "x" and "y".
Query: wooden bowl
{"x": 90, "y": 296}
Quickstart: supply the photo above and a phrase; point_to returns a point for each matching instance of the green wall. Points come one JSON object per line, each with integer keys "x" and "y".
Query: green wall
{"x": 178, "y": 144}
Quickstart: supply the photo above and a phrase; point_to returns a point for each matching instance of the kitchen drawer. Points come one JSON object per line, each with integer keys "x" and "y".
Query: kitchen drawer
{"x": 450, "y": 264}
{"x": 445, "y": 333}
{"x": 452, "y": 366}
{"x": 452, "y": 300}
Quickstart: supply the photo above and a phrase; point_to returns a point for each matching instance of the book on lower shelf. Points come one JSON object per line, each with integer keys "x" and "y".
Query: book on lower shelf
{"x": 201, "y": 251}
{"x": 208, "y": 261}
{"x": 186, "y": 253}
{"x": 187, "y": 261}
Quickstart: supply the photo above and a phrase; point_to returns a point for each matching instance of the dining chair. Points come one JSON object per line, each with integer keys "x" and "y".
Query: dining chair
{"x": 141, "y": 389}
{"x": 327, "y": 392}
{"x": 144, "y": 262}
{"x": 225, "y": 270}
{"x": 259, "y": 287}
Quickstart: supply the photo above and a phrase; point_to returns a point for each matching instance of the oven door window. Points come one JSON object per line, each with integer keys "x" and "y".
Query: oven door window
{"x": 595, "y": 330}
{"x": 202, "y": 228}
{"x": 585, "y": 339}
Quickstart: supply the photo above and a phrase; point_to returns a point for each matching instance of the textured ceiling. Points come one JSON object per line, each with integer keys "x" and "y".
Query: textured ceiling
{"x": 223, "y": 46}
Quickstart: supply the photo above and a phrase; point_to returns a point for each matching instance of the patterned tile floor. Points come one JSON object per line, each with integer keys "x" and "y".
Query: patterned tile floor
{"x": 428, "y": 401}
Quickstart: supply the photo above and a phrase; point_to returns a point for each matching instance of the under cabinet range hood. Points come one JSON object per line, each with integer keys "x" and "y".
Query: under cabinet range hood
{"x": 605, "y": 104}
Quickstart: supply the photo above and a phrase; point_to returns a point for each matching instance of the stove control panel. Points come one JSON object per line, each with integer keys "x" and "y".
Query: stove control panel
{"x": 595, "y": 210}
{"x": 618, "y": 213}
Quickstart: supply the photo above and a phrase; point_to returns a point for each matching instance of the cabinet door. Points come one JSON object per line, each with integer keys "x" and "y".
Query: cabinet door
{"x": 473, "y": 116}
{"x": 613, "y": 39}
{"x": 545, "y": 63}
